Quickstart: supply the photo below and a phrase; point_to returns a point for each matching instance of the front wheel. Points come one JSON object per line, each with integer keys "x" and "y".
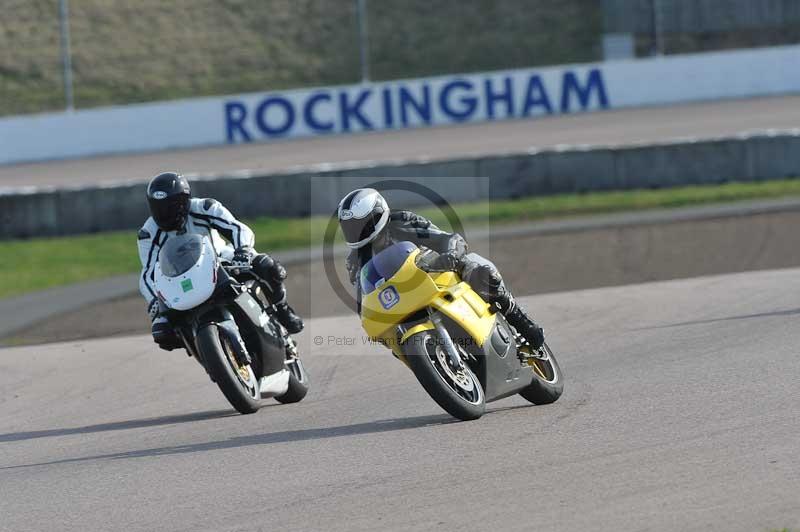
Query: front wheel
{"x": 457, "y": 390}
{"x": 238, "y": 383}
{"x": 298, "y": 382}
{"x": 548, "y": 381}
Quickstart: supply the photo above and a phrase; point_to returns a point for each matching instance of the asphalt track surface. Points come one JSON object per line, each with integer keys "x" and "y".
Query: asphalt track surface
{"x": 624, "y": 126}
{"x": 680, "y": 413}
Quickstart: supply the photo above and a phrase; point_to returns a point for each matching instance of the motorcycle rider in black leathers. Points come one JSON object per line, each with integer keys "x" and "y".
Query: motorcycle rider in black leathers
{"x": 174, "y": 211}
{"x": 369, "y": 227}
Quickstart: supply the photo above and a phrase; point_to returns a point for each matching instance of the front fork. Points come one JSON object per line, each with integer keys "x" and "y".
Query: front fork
{"x": 227, "y": 329}
{"x": 444, "y": 335}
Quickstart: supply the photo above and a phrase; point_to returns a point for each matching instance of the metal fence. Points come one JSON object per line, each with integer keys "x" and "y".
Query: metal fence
{"x": 56, "y": 53}
{"x": 698, "y": 16}
{"x": 680, "y": 26}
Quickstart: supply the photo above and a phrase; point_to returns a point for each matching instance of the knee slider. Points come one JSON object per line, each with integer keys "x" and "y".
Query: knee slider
{"x": 487, "y": 282}
{"x": 487, "y": 277}
{"x": 269, "y": 268}
{"x": 163, "y": 332}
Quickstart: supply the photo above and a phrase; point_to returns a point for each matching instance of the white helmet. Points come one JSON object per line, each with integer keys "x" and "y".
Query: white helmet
{"x": 363, "y": 214}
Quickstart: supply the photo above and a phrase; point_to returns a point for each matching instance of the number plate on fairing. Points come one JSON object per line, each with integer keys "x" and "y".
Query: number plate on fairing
{"x": 389, "y": 297}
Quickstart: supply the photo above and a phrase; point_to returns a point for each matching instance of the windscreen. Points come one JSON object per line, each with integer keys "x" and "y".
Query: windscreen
{"x": 384, "y": 265}
{"x": 179, "y": 254}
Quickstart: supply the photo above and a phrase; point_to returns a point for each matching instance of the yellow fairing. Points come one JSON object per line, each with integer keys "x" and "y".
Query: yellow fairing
{"x": 420, "y": 327}
{"x": 417, "y": 290}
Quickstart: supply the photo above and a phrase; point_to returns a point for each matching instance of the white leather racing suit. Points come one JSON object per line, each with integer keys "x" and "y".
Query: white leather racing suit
{"x": 206, "y": 217}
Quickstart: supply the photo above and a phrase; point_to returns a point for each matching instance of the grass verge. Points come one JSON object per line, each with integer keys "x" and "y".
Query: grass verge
{"x": 208, "y": 47}
{"x": 36, "y": 264}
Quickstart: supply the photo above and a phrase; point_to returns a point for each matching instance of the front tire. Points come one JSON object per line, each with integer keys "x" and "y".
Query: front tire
{"x": 548, "y": 380}
{"x": 237, "y": 383}
{"x": 298, "y": 383}
{"x": 460, "y": 393}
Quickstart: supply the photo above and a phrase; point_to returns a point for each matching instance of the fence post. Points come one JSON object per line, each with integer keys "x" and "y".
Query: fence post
{"x": 66, "y": 52}
{"x": 363, "y": 39}
{"x": 658, "y": 28}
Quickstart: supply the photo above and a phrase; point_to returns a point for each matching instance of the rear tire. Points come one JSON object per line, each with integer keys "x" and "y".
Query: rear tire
{"x": 245, "y": 400}
{"x": 298, "y": 383}
{"x": 548, "y": 381}
{"x": 420, "y": 351}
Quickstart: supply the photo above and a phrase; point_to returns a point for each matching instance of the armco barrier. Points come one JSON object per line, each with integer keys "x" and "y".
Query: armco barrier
{"x": 316, "y": 190}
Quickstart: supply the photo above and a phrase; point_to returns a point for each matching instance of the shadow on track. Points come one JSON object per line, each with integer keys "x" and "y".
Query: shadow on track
{"x": 118, "y": 425}
{"x": 289, "y": 436}
{"x": 791, "y": 312}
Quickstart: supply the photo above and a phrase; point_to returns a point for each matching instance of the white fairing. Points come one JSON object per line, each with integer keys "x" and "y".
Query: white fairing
{"x": 192, "y": 288}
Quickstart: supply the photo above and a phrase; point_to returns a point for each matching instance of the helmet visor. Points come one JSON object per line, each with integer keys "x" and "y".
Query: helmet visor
{"x": 170, "y": 213}
{"x": 357, "y": 229}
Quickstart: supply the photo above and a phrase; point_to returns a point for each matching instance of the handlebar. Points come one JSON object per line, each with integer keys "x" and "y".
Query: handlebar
{"x": 228, "y": 266}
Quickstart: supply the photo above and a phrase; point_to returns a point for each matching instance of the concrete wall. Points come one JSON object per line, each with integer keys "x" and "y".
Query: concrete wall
{"x": 401, "y": 104}
{"x": 768, "y": 155}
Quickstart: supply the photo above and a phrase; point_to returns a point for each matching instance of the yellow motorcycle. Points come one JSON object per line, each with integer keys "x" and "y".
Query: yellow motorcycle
{"x": 462, "y": 352}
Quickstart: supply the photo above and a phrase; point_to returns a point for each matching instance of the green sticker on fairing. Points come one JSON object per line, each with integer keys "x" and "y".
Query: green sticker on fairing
{"x": 186, "y": 284}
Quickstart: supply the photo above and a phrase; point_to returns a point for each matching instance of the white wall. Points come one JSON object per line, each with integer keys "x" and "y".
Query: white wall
{"x": 401, "y": 104}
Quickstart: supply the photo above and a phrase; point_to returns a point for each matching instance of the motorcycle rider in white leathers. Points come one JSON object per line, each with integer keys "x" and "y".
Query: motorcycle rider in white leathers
{"x": 173, "y": 211}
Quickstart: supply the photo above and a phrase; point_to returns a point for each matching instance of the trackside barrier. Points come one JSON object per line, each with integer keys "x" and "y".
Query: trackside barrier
{"x": 401, "y": 104}
{"x": 753, "y": 157}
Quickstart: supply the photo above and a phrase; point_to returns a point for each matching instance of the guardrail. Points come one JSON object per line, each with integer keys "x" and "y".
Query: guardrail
{"x": 747, "y": 157}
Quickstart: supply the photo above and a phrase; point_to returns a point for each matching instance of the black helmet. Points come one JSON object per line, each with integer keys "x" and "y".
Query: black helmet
{"x": 168, "y": 195}
{"x": 363, "y": 214}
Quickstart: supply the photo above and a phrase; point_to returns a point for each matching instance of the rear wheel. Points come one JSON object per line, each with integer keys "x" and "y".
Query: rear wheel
{"x": 457, "y": 390}
{"x": 238, "y": 383}
{"x": 548, "y": 381}
{"x": 298, "y": 382}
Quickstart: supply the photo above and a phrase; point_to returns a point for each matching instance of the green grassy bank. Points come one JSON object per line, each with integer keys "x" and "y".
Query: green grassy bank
{"x": 36, "y": 264}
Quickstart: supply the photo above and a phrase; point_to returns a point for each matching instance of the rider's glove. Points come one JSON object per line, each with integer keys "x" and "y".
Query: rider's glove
{"x": 242, "y": 257}
{"x": 430, "y": 261}
{"x": 153, "y": 309}
{"x": 447, "y": 262}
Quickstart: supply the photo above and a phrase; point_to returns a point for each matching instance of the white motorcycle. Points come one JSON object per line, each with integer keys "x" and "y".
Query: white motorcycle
{"x": 228, "y": 325}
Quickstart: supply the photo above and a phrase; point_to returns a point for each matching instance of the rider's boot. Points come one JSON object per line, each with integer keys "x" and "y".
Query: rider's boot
{"x": 164, "y": 334}
{"x": 487, "y": 281}
{"x": 288, "y": 318}
{"x": 519, "y": 319}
